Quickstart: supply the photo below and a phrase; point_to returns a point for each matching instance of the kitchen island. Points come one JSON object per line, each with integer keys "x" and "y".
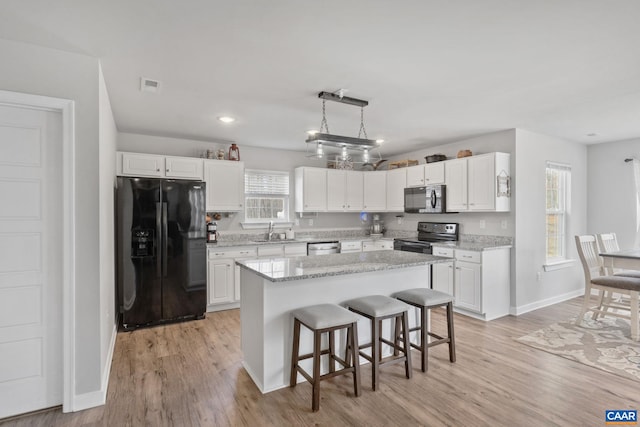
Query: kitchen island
{"x": 272, "y": 288}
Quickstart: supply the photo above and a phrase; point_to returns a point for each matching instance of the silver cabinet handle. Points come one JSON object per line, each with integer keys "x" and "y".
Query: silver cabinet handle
{"x": 167, "y": 170}
{"x": 158, "y": 170}
{"x": 467, "y": 256}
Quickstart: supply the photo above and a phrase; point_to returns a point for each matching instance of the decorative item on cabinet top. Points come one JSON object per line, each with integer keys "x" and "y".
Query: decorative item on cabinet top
{"x": 435, "y": 158}
{"x": 234, "y": 152}
{"x": 402, "y": 164}
{"x": 464, "y": 153}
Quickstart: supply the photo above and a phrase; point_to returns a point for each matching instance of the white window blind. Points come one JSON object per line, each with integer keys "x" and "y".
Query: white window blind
{"x": 266, "y": 196}
{"x": 266, "y": 182}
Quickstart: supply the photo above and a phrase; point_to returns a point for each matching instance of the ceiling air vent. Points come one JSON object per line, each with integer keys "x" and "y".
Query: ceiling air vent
{"x": 149, "y": 85}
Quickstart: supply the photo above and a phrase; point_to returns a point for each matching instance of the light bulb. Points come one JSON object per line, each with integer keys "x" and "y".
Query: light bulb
{"x": 365, "y": 156}
{"x": 319, "y": 150}
{"x": 344, "y": 153}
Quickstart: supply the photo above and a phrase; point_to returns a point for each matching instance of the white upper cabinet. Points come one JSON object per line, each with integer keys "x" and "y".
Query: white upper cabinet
{"x": 456, "y": 180}
{"x": 344, "y": 190}
{"x": 135, "y": 164}
{"x": 396, "y": 183}
{"x": 153, "y": 165}
{"x": 375, "y": 191}
{"x": 427, "y": 174}
{"x": 434, "y": 173}
{"x": 311, "y": 189}
{"x": 225, "y": 185}
{"x": 183, "y": 167}
{"x": 472, "y": 183}
{"x": 415, "y": 176}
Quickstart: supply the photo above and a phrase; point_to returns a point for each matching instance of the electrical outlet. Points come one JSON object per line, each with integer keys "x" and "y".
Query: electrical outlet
{"x": 504, "y": 224}
{"x": 297, "y": 222}
{"x": 538, "y": 276}
{"x": 483, "y": 223}
{"x": 310, "y": 222}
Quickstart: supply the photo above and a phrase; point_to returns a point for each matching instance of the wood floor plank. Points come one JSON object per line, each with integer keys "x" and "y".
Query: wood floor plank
{"x": 191, "y": 374}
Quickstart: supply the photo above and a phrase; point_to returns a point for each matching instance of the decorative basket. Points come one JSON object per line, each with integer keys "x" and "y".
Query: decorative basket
{"x": 464, "y": 153}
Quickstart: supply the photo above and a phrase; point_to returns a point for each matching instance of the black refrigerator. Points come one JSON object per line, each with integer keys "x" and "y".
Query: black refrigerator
{"x": 161, "y": 250}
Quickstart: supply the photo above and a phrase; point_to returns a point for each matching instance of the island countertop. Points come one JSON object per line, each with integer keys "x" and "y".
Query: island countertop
{"x": 308, "y": 267}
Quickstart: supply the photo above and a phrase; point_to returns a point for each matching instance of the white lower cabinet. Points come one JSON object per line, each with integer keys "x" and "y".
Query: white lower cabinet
{"x": 468, "y": 286}
{"x": 223, "y": 287}
{"x": 479, "y": 280}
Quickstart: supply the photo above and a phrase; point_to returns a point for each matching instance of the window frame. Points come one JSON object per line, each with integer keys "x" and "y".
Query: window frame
{"x": 286, "y": 198}
{"x": 563, "y": 211}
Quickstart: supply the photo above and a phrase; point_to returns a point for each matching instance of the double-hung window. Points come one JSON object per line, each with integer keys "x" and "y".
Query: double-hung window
{"x": 558, "y": 195}
{"x": 266, "y": 196}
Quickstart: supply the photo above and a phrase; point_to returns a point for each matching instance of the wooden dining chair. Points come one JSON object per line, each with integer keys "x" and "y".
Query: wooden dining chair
{"x": 595, "y": 278}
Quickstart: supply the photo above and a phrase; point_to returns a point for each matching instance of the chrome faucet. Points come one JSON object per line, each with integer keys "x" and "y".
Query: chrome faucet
{"x": 270, "y": 231}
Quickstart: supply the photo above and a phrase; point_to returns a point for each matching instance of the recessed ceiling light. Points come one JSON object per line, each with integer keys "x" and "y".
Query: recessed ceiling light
{"x": 226, "y": 119}
{"x": 592, "y": 134}
{"x": 379, "y": 141}
{"x": 312, "y": 132}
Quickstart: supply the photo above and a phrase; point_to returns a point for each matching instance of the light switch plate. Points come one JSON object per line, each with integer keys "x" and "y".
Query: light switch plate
{"x": 483, "y": 224}
{"x": 504, "y": 224}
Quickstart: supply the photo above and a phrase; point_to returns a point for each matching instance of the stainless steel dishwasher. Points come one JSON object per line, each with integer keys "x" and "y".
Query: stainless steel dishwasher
{"x": 323, "y": 248}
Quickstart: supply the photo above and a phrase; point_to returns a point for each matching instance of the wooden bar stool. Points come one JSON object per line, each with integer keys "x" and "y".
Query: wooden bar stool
{"x": 324, "y": 318}
{"x": 425, "y": 300}
{"x": 378, "y": 308}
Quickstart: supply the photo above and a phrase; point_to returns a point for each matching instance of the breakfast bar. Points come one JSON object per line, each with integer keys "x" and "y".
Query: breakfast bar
{"x": 272, "y": 288}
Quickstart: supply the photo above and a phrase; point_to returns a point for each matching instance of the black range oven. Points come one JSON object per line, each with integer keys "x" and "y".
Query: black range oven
{"x": 428, "y": 233}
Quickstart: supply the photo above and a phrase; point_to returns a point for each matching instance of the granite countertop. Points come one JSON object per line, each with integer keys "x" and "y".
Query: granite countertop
{"x": 309, "y": 267}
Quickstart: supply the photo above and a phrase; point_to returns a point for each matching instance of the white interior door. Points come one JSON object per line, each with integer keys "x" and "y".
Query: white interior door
{"x": 30, "y": 260}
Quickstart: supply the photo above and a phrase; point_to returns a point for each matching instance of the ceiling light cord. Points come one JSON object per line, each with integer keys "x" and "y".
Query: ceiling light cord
{"x": 362, "y": 130}
{"x": 323, "y": 124}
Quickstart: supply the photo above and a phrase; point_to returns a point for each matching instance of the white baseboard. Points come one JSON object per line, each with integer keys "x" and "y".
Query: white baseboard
{"x": 516, "y": 311}
{"x": 99, "y": 397}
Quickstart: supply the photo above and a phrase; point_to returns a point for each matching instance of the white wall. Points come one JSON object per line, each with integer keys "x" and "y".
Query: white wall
{"x": 253, "y": 158}
{"x": 35, "y": 70}
{"x": 612, "y": 202}
{"x": 107, "y": 170}
{"x": 532, "y": 152}
{"x": 503, "y": 141}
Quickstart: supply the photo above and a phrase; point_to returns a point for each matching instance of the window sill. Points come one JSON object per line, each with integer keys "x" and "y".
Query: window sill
{"x": 559, "y": 265}
{"x": 262, "y": 225}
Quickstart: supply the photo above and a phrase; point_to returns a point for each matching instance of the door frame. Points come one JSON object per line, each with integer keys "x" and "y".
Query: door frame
{"x": 67, "y": 109}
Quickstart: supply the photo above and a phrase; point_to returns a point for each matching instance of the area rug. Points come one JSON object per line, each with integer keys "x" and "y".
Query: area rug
{"x": 604, "y": 344}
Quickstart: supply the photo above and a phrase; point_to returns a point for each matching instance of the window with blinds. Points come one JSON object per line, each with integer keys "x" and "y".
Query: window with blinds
{"x": 558, "y": 197}
{"x": 266, "y": 196}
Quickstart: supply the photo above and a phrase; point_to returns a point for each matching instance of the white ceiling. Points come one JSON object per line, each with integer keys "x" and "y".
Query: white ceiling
{"x": 433, "y": 71}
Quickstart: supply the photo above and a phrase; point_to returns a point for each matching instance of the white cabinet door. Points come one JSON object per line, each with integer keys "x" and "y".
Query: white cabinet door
{"x": 353, "y": 191}
{"x": 443, "y": 277}
{"x": 482, "y": 182}
{"x": 375, "y": 191}
{"x": 336, "y": 190}
{"x": 225, "y": 185}
{"x": 434, "y": 173}
{"x": 220, "y": 280}
{"x": 184, "y": 167}
{"x": 396, "y": 183}
{"x": 311, "y": 189}
{"x": 468, "y": 286}
{"x": 415, "y": 176}
{"x": 456, "y": 181}
{"x": 135, "y": 164}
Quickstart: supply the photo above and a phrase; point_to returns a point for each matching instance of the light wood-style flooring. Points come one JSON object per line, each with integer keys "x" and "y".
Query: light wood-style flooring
{"x": 190, "y": 374}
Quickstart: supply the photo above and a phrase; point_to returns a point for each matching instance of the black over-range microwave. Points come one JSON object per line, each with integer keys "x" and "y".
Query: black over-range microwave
{"x": 427, "y": 199}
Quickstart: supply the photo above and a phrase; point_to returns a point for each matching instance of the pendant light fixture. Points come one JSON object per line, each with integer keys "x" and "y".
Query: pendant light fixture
{"x": 345, "y": 144}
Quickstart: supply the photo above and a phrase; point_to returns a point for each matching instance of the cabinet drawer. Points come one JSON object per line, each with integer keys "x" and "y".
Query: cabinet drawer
{"x": 469, "y": 256}
{"x": 445, "y": 252}
{"x": 270, "y": 250}
{"x": 350, "y": 246}
{"x": 237, "y": 252}
{"x": 295, "y": 249}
